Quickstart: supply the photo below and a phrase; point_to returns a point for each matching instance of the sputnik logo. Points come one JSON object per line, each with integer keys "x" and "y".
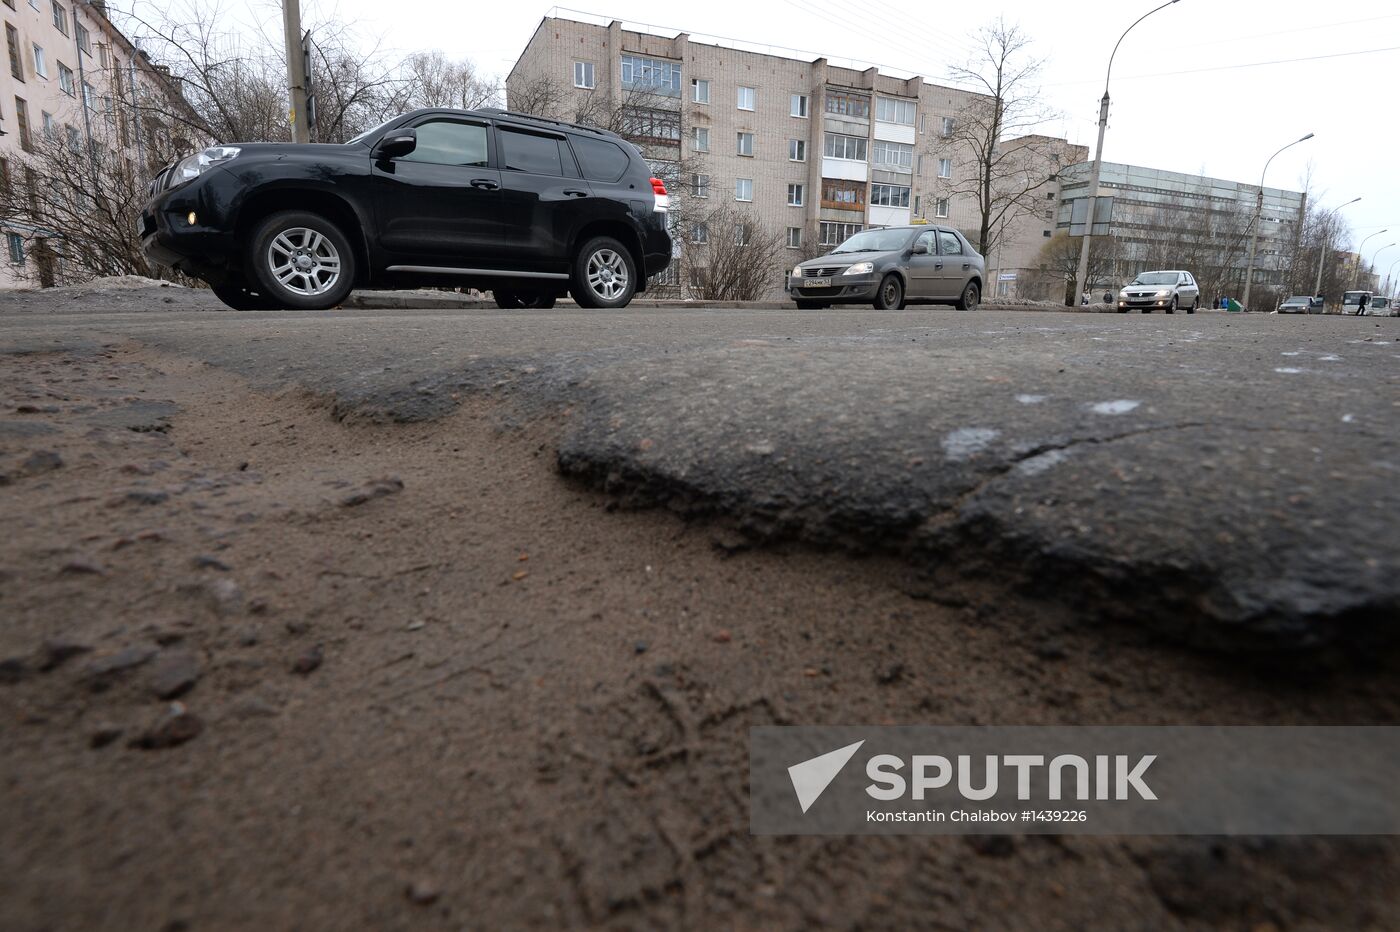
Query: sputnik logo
{"x": 811, "y": 777}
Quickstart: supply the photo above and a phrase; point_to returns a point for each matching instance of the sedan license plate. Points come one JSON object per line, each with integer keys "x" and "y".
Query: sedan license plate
{"x": 816, "y": 283}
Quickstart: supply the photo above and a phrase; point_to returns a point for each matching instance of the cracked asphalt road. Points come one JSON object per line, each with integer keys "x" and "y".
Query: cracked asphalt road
{"x": 1231, "y": 480}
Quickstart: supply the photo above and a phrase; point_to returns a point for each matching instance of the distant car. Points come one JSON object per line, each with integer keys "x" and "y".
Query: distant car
{"x": 1167, "y": 290}
{"x": 1381, "y": 307}
{"x": 890, "y": 267}
{"x": 1301, "y": 304}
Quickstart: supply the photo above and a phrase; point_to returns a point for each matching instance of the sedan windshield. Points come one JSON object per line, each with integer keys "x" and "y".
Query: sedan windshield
{"x": 875, "y": 241}
{"x": 1155, "y": 278}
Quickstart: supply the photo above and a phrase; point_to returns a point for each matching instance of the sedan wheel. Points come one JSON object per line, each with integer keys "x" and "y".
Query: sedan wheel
{"x": 971, "y": 296}
{"x": 890, "y": 297}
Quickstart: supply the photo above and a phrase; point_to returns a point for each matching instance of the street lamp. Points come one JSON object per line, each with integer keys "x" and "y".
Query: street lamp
{"x": 1356, "y": 266}
{"x": 1322, "y": 254}
{"x": 1258, "y": 218}
{"x": 1098, "y": 153}
{"x": 1387, "y": 276}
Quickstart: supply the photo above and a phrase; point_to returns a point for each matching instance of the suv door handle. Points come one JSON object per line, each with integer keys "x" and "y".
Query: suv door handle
{"x": 575, "y": 192}
{"x": 485, "y": 184}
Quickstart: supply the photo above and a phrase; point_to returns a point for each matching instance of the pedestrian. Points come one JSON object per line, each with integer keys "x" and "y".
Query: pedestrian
{"x": 1084, "y": 299}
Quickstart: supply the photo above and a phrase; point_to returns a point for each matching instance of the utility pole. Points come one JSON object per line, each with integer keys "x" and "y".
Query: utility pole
{"x": 296, "y": 70}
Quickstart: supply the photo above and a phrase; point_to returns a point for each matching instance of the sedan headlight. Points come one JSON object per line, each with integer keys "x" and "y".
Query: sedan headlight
{"x": 199, "y": 163}
{"x": 1163, "y": 294}
{"x": 860, "y": 268}
{"x": 797, "y": 271}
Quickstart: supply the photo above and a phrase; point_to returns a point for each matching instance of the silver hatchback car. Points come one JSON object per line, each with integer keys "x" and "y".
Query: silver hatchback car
{"x": 893, "y": 266}
{"x": 1166, "y": 290}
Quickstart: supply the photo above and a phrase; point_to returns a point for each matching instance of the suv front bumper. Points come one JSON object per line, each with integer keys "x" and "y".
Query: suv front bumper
{"x": 168, "y": 238}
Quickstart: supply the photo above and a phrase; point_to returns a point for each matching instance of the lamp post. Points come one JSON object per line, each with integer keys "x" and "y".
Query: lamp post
{"x": 1081, "y": 282}
{"x": 1322, "y": 254}
{"x": 1258, "y": 217}
{"x": 1387, "y": 276}
{"x": 1356, "y": 266}
{"x": 1378, "y": 252}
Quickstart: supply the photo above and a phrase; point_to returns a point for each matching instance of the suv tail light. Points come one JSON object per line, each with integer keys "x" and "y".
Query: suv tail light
{"x": 663, "y": 200}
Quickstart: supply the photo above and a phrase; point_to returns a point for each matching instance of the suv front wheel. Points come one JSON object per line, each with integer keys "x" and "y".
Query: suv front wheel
{"x": 604, "y": 274}
{"x": 302, "y": 261}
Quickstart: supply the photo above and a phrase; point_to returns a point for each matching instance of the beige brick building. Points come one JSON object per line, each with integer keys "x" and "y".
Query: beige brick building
{"x": 808, "y": 149}
{"x": 69, "y": 74}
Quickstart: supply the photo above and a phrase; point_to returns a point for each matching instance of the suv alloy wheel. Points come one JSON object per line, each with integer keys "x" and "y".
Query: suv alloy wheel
{"x": 604, "y": 274}
{"x": 302, "y": 261}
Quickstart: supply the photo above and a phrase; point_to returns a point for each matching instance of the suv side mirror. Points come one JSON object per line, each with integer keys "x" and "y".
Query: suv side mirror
{"x": 398, "y": 143}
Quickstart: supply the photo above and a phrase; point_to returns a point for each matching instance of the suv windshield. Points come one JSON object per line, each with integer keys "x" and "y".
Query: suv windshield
{"x": 875, "y": 241}
{"x": 1155, "y": 278}
{"x": 367, "y": 134}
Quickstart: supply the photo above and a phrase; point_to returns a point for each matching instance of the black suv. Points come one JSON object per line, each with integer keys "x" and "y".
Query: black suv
{"x": 525, "y": 207}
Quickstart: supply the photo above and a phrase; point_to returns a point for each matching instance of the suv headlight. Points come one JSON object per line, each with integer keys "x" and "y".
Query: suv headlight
{"x": 199, "y": 163}
{"x": 860, "y": 268}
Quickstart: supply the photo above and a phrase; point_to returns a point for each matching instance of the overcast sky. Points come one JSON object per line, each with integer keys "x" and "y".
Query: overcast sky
{"x": 1184, "y": 95}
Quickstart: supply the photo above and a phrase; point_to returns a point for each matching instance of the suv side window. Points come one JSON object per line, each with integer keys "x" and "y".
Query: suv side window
{"x": 949, "y": 244}
{"x": 527, "y": 152}
{"x": 449, "y": 142}
{"x": 600, "y": 159}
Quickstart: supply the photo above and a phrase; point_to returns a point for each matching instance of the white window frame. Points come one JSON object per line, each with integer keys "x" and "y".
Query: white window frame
{"x": 699, "y": 185}
{"x": 790, "y": 238}
{"x": 848, "y": 143}
{"x": 700, "y": 233}
{"x": 585, "y": 75}
{"x": 800, "y": 190}
{"x": 893, "y": 195}
{"x": 886, "y": 107}
{"x": 743, "y": 233}
{"x": 947, "y": 127}
{"x": 752, "y": 98}
{"x": 41, "y": 64}
{"x": 696, "y": 86}
{"x": 842, "y": 231}
{"x": 67, "y": 80}
{"x": 904, "y": 151}
{"x": 739, "y": 140}
{"x": 740, "y": 189}
{"x": 698, "y": 134}
{"x": 797, "y": 150}
{"x": 945, "y": 168}
{"x": 801, "y": 107}
{"x": 940, "y": 208}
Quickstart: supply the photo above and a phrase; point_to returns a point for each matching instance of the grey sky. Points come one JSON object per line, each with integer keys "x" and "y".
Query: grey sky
{"x": 1179, "y": 102}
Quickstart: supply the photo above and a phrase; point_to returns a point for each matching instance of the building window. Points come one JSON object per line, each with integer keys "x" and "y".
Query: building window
{"x": 89, "y": 96}
{"x": 889, "y": 195}
{"x": 890, "y": 110}
{"x": 60, "y": 18}
{"x": 947, "y": 127}
{"x": 794, "y": 238}
{"x": 945, "y": 168}
{"x": 746, "y": 98}
{"x": 844, "y": 195}
{"x": 917, "y": 211}
{"x": 849, "y": 105}
{"x": 699, "y": 185}
{"x": 893, "y": 154}
{"x": 701, "y": 142}
{"x": 16, "y": 248}
{"x": 796, "y": 194}
{"x": 799, "y": 105}
{"x": 1049, "y": 215}
{"x": 940, "y": 208}
{"x": 661, "y": 126}
{"x": 584, "y": 76}
{"x": 797, "y": 150}
{"x": 851, "y": 148}
{"x": 84, "y": 42}
{"x": 75, "y": 139}
{"x": 12, "y": 39}
{"x": 743, "y": 189}
{"x": 652, "y": 74}
{"x": 65, "y": 80}
{"x": 834, "y": 234}
{"x": 102, "y": 58}
{"x": 745, "y": 144}
{"x": 1046, "y": 233}
{"x": 46, "y": 121}
{"x": 921, "y": 124}
{"x": 700, "y": 234}
{"x": 699, "y": 90}
{"x": 22, "y": 119}
{"x": 743, "y": 233}
{"x": 41, "y": 63}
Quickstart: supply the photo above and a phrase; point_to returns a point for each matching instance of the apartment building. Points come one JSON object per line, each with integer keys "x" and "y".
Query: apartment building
{"x": 807, "y": 148}
{"x": 1015, "y": 268}
{"x": 70, "y": 75}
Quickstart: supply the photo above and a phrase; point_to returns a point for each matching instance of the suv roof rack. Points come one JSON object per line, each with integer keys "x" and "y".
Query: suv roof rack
{"x": 516, "y": 114}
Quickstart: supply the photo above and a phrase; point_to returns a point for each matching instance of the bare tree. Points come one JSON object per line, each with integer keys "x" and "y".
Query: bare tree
{"x": 735, "y": 257}
{"x": 434, "y": 80}
{"x": 1001, "y": 175}
{"x": 1059, "y": 257}
{"x": 77, "y": 203}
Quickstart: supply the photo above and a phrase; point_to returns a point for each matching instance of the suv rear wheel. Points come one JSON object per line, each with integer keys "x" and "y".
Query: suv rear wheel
{"x": 604, "y": 274}
{"x": 301, "y": 260}
{"x": 515, "y": 300}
